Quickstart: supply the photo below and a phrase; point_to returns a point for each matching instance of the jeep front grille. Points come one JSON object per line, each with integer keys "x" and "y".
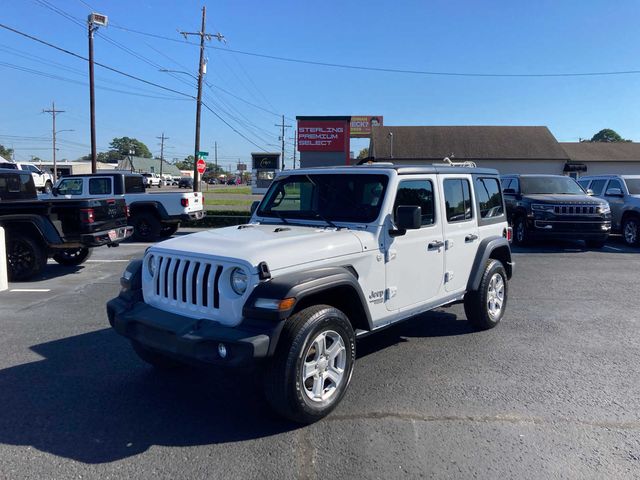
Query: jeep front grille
{"x": 575, "y": 209}
{"x": 187, "y": 282}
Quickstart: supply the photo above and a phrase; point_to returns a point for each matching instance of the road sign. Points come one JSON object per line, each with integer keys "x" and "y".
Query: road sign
{"x": 203, "y": 154}
{"x": 202, "y": 166}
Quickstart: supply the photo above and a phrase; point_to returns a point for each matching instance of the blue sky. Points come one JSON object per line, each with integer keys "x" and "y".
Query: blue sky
{"x": 516, "y": 37}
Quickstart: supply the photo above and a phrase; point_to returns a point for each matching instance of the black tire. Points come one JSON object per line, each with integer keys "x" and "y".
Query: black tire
{"x": 284, "y": 387}
{"x": 168, "y": 229}
{"x": 26, "y": 257}
{"x": 48, "y": 187}
{"x": 592, "y": 243}
{"x": 521, "y": 233}
{"x": 631, "y": 230}
{"x": 156, "y": 359}
{"x": 72, "y": 256}
{"x": 476, "y": 303}
{"x": 146, "y": 227}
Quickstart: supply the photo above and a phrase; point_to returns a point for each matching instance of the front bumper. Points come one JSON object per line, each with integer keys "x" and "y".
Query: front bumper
{"x": 106, "y": 237}
{"x": 575, "y": 229}
{"x": 190, "y": 340}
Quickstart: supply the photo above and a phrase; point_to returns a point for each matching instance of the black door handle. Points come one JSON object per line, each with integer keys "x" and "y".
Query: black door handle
{"x": 435, "y": 245}
{"x": 470, "y": 238}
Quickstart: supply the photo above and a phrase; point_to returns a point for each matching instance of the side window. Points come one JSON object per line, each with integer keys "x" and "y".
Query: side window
{"x": 597, "y": 186}
{"x": 99, "y": 186}
{"x": 615, "y": 184}
{"x": 457, "y": 196}
{"x": 506, "y": 182}
{"x": 70, "y": 186}
{"x": 13, "y": 184}
{"x": 417, "y": 193}
{"x": 489, "y": 197}
{"x": 133, "y": 184}
{"x": 584, "y": 184}
{"x": 33, "y": 169}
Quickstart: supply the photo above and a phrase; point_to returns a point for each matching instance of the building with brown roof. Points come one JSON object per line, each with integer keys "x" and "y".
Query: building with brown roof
{"x": 602, "y": 158}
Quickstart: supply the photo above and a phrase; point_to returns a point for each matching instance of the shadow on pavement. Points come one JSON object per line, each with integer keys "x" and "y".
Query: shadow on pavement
{"x": 54, "y": 270}
{"x": 91, "y": 400}
{"x": 614, "y": 245}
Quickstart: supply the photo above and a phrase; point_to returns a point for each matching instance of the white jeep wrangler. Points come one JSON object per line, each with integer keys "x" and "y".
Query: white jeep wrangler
{"x": 329, "y": 255}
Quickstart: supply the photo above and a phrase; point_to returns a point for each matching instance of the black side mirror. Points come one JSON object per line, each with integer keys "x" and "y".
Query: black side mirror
{"x": 55, "y": 191}
{"x": 254, "y": 206}
{"x": 408, "y": 217}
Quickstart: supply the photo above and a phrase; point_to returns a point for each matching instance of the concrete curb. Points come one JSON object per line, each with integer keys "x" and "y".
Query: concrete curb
{"x": 4, "y": 281}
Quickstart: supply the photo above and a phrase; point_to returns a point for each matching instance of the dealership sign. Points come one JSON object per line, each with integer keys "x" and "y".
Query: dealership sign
{"x": 322, "y": 136}
{"x": 361, "y": 126}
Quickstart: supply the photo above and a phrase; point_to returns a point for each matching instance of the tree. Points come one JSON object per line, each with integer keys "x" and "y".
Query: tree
{"x": 364, "y": 153}
{"x": 6, "y": 153}
{"x": 124, "y": 145}
{"x": 186, "y": 164}
{"x": 609, "y": 136}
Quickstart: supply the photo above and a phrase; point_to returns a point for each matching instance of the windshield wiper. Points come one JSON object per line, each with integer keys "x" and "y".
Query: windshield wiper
{"x": 318, "y": 214}
{"x": 280, "y": 216}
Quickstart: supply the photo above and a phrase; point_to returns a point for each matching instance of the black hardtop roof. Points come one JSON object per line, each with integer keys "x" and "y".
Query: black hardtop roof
{"x": 14, "y": 171}
{"x": 404, "y": 169}
{"x": 102, "y": 174}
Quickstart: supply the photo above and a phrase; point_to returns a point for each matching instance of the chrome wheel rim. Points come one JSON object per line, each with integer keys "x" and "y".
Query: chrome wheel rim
{"x": 495, "y": 296}
{"x": 631, "y": 232}
{"x": 323, "y": 370}
{"x": 520, "y": 231}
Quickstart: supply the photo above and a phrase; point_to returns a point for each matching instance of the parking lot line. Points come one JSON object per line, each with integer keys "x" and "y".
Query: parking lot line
{"x": 108, "y": 261}
{"x": 613, "y": 248}
{"x": 19, "y": 290}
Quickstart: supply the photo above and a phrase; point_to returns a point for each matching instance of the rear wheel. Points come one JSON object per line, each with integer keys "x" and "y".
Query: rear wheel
{"x": 155, "y": 359}
{"x": 168, "y": 229}
{"x": 631, "y": 230}
{"x": 146, "y": 227}
{"x": 48, "y": 187}
{"x": 312, "y": 367}
{"x": 26, "y": 257}
{"x": 485, "y": 307}
{"x": 72, "y": 256}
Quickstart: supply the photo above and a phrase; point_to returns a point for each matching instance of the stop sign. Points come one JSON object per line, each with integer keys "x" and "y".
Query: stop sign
{"x": 202, "y": 166}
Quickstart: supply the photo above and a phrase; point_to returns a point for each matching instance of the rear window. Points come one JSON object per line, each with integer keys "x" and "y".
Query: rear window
{"x": 70, "y": 186}
{"x": 133, "y": 184}
{"x": 633, "y": 185}
{"x": 457, "y": 195}
{"x": 17, "y": 186}
{"x": 489, "y": 197}
{"x": 100, "y": 186}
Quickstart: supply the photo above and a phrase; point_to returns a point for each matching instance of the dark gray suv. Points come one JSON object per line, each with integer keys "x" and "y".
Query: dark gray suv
{"x": 623, "y": 194}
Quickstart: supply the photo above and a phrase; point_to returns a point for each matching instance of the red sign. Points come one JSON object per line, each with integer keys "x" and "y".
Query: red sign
{"x": 361, "y": 126}
{"x": 322, "y": 136}
{"x": 202, "y": 166}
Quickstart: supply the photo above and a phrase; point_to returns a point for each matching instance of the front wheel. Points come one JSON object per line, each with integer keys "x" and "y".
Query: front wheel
{"x": 26, "y": 257}
{"x": 631, "y": 231}
{"x": 168, "y": 229}
{"x": 313, "y": 364}
{"x": 520, "y": 231}
{"x": 72, "y": 256}
{"x": 485, "y": 307}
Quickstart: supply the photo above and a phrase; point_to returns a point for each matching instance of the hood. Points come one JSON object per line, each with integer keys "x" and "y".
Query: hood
{"x": 278, "y": 245}
{"x": 564, "y": 199}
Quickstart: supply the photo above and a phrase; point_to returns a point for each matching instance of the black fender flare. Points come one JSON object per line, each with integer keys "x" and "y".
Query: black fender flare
{"x": 301, "y": 285}
{"x": 488, "y": 246}
{"x": 46, "y": 229}
{"x": 156, "y": 207}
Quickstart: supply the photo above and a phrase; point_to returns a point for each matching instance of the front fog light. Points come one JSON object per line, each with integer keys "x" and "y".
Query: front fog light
{"x": 239, "y": 280}
{"x": 222, "y": 350}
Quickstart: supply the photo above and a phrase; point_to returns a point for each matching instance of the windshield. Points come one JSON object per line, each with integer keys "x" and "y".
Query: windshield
{"x": 633, "y": 185}
{"x": 326, "y": 197}
{"x": 550, "y": 185}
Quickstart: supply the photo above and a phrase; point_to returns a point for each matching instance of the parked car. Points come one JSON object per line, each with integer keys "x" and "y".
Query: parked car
{"x": 151, "y": 215}
{"x": 623, "y": 194}
{"x": 185, "y": 182}
{"x": 330, "y": 255}
{"x": 554, "y": 206}
{"x": 65, "y": 230}
{"x": 152, "y": 180}
{"x": 232, "y": 181}
{"x": 212, "y": 181}
{"x": 42, "y": 180}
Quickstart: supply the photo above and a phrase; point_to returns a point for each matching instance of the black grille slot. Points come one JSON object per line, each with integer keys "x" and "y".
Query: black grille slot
{"x": 165, "y": 277}
{"x": 174, "y": 294}
{"x": 194, "y": 284}
{"x": 216, "y": 289}
{"x": 157, "y": 279}
{"x": 187, "y": 264}
{"x": 205, "y": 283}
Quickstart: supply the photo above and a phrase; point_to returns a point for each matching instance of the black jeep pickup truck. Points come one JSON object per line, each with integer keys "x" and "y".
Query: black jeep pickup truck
{"x": 63, "y": 229}
{"x": 554, "y": 206}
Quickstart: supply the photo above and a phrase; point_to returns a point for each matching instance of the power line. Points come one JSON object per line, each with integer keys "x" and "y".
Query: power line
{"x": 231, "y": 127}
{"x": 395, "y": 70}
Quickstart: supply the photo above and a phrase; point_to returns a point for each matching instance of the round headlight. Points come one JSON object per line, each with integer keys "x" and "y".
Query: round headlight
{"x": 239, "y": 280}
{"x": 151, "y": 265}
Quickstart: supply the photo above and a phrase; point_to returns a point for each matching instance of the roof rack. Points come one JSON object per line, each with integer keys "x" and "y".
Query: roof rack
{"x": 447, "y": 161}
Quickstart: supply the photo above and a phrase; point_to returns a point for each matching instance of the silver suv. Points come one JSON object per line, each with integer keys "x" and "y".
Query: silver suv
{"x": 623, "y": 194}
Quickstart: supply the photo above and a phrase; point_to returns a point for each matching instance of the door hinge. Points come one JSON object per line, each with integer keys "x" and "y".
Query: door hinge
{"x": 448, "y": 276}
{"x": 391, "y": 292}
{"x": 391, "y": 255}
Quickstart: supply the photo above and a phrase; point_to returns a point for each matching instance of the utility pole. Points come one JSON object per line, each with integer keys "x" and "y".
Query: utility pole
{"x": 94, "y": 21}
{"x": 295, "y": 147}
{"x": 215, "y": 150}
{"x": 53, "y": 113}
{"x": 282, "y": 139}
{"x": 201, "y": 71}
{"x": 162, "y": 139}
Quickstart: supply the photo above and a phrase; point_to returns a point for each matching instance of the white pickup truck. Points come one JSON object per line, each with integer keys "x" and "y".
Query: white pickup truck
{"x": 42, "y": 180}
{"x": 152, "y": 216}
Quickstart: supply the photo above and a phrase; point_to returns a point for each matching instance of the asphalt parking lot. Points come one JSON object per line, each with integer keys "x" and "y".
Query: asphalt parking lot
{"x": 553, "y": 392}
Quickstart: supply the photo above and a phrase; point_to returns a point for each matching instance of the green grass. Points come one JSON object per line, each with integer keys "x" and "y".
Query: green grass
{"x": 232, "y": 201}
{"x": 229, "y": 190}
